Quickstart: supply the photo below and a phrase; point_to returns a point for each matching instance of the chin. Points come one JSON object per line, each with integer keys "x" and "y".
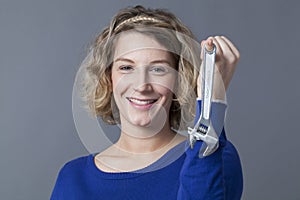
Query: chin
{"x": 154, "y": 118}
{"x": 143, "y": 120}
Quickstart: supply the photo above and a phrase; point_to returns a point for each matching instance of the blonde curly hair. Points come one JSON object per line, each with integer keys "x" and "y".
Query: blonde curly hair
{"x": 169, "y": 31}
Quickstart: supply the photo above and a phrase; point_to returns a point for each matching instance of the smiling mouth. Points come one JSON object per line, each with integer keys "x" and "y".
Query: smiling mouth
{"x": 141, "y": 102}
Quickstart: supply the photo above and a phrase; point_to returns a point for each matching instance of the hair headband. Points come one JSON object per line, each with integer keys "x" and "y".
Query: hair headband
{"x": 136, "y": 19}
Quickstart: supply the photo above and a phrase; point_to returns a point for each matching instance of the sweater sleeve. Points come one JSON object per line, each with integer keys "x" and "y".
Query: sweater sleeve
{"x": 203, "y": 178}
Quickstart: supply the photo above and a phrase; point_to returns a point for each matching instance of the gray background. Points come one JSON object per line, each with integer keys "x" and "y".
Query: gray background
{"x": 42, "y": 43}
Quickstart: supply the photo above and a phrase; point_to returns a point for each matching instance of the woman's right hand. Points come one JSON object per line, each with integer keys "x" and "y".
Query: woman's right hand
{"x": 227, "y": 57}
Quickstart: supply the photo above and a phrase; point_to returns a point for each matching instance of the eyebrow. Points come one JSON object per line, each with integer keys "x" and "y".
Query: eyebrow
{"x": 124, "y": 60}
{"x": 161, "y": 61}
{"x": 152, "y": 62}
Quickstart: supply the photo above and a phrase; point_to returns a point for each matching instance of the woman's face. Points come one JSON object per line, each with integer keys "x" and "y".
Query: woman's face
{"x": 143, "y": 77}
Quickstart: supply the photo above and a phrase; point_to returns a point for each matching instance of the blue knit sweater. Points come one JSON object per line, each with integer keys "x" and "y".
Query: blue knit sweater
{"x": 179, "y": 174}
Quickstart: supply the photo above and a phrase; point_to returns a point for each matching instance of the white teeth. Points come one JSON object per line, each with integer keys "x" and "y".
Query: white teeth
{"x": 141, "y": 102}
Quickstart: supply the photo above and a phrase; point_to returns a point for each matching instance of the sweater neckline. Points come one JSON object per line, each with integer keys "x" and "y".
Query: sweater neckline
{"x": 177, "y": 153}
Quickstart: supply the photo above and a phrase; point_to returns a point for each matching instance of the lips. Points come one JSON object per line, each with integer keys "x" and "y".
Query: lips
{"x": 141, "y": 104}
{"x": 142, "y": 101}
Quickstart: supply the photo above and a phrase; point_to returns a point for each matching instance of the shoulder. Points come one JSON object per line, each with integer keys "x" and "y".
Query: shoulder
{"x": 75, "y": 166}
{"x": 70, "y": 177}
{"x": 78, "y": 162}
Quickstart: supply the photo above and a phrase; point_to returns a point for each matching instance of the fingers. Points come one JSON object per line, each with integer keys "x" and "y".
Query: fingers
{"x": 219, "y": 51}
{"x": 221, "y": 43}
{"x": 227, "y": 56}
{"x": 225, "y": 48}
{"x": 227, "y": 52}
{"x": 232, "y": 47}
{"x": 208, "y": 44}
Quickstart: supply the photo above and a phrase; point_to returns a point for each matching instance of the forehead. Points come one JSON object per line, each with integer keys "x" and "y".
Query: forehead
{"x": 129, "y": 42}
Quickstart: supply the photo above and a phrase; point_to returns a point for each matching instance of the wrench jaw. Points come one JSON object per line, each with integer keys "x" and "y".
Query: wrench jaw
{"x": 210, "y": 140}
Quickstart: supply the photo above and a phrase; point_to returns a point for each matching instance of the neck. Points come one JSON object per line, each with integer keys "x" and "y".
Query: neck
{"x": 144, "y": 139}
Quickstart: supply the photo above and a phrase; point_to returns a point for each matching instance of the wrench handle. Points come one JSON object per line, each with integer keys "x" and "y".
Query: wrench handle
{"x": 207, "y": 81}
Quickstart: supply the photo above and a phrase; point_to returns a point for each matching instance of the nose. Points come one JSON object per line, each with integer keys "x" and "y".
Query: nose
{"x": 142, "y": 82}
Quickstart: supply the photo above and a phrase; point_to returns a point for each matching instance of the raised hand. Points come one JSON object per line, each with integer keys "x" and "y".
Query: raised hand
{"x": 227, "y": 57}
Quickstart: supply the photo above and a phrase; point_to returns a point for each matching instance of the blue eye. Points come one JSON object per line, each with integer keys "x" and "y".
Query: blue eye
{"x": 159, "y": 70}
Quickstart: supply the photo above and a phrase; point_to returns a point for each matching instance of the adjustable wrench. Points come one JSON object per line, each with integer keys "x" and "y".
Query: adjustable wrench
{"x": 204, "y": 130}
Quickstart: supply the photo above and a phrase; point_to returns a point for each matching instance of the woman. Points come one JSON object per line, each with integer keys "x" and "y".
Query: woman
{"x": 142, "y": 73}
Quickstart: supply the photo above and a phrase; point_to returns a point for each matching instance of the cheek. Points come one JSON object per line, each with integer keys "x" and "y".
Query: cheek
{"x": 118, "y": 82}
{"x": 114, "y": 79}
{"x": 168, "y": 82}
{"x": 166, "y": 93}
